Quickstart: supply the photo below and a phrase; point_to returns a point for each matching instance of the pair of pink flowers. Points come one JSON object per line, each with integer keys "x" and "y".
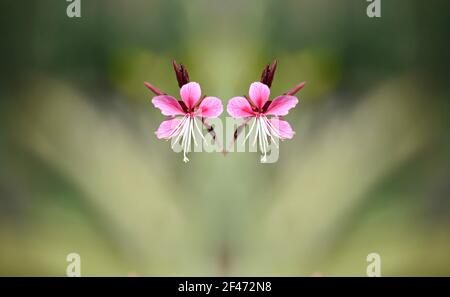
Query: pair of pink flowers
{"x": 193, "y": 108}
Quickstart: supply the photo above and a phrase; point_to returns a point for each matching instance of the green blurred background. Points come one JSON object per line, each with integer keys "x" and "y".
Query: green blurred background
{"x": 81, "y": 170}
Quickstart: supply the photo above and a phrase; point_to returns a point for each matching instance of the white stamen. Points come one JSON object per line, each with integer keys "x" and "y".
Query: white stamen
{"x": 199, "y": 131}
{"x": 260, "y": 138}
{"x": 181, "y": 132}
{"x": 273, "y": 130}
{"x": 264, "y": 131}
{"x": 186, "y": 132}
{"x": 268, "y": 132}
{"x": 256, "y": 132}
{"x": 193, "y": 132}
{"x": 250, "y": 131}
{"x": 263, "y": 140}
{"x": 186, "y": 141}
{"x": 176, "y": 130}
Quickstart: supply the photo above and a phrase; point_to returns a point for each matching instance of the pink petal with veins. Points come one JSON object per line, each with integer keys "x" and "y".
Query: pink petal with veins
{"x": 282, "y": 128}
{"x": 168, "y": 105}
{"x": 190, "y": 93}
{"x": 259, "y": 93}
{"x": 167, "y": 128}
{"x": 238, "y": 107}
{"x": 210, "y": 107}
{"x": 281, "y": 105}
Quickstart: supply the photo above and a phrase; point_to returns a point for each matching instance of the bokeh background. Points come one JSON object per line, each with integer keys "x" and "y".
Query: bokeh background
{"x": 81, "y": 170}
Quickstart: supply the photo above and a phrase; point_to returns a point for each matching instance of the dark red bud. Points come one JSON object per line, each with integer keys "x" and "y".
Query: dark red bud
{"x": 268, "y": 73}
{"x": 181, "y": 73}
{"x": 271, "y": 73}
{"x": 185, "y": 76}
{"x": 264, "y": 74}
{"x": 178, "y": 74}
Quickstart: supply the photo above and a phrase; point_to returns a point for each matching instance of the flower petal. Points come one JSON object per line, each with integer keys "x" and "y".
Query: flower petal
{"x": 238, "y": 107}
{"x": 282, "y": 128}
{"x": 190, "y": 93}
{"x": 167, "y": 128}
{"x": 210, "y": 107}
{"x": 259, "y": 93}
{"x": 168, "y": 105}
{"x": 281, "y": 105}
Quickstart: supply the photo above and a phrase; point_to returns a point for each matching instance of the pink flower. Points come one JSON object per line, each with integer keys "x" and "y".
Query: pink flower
{"x": 265, "y": 114}
{"x": 184, "y": 114}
